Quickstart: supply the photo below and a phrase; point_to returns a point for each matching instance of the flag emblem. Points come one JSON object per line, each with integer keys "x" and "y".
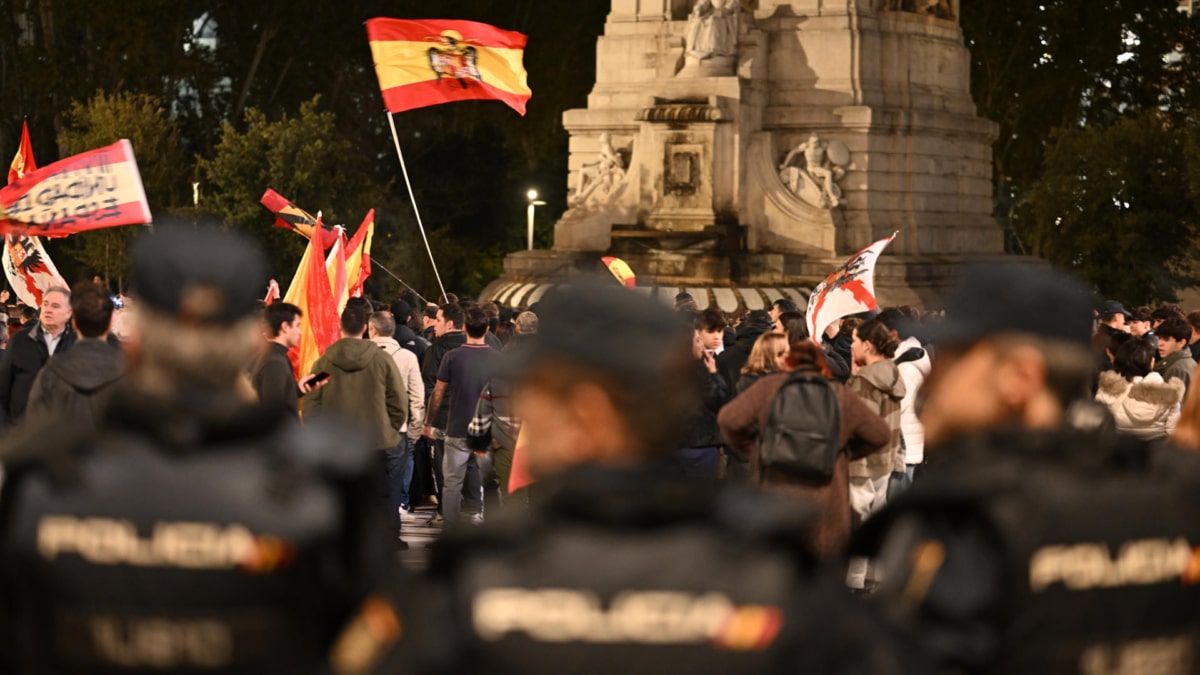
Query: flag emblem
{"x": 454, "y": 58}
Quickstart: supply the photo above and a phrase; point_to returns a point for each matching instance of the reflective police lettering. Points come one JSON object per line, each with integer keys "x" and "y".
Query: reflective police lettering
{"x": 647, "y": 617}
{"x": 105, "y": 541}
{"x": 162, "y": 643}
{"x": 1172, "y": 656}
{"x": 1082, "y": 567}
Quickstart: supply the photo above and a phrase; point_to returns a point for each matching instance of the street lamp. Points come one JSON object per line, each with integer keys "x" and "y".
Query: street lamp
{"x": 534, "y": 202}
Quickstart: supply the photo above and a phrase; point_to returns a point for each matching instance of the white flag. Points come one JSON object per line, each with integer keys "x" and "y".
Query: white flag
{"x": 849, "y": 290}
{"x": 29, "y": 269}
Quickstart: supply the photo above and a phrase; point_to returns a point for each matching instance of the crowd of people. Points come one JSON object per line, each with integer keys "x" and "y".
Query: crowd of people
{"x": 1002, "y": 486}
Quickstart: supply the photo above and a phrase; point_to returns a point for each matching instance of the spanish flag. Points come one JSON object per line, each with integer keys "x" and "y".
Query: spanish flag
{"x": 313, "y": 294}
{"x": 23, "y": 163}
{"x": 424, "y": 63}
{"x": 358, "y": 257}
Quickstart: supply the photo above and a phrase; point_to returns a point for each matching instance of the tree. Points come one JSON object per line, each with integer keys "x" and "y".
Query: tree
{"x": 103, "y": 120}
{"x": 1117, "y": 206}
{"x": 303, "y": 158}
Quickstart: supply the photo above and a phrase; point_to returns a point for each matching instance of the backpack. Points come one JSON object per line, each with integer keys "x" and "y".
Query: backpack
{"x": 803, "y": 429}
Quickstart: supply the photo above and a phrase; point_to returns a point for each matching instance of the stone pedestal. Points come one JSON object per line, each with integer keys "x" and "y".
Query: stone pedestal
{"x": 833, "y": 127}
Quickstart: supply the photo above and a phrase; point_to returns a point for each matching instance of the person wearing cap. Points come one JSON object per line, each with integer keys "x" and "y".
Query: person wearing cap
{"x": 1114, "y": 318}
{"x": 1028, "y": 544}
{"x": 192, "y": 529}
{"x": 620, "y": 565}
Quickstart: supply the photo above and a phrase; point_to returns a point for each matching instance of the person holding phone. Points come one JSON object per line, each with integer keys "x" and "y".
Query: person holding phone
{"x": 272, "y": 374}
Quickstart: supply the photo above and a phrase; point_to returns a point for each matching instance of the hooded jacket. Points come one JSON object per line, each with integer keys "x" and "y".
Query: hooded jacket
{"x": 76, "y": 384}
{"x": 365, "y": 388}
{"x": 914, "y": 365}
{"x": 882, "y": 389}
{"x": 1147, "y": 407}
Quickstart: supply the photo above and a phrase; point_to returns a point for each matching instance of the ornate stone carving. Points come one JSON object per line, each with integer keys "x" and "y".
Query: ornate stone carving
{"x": 943, "y": 9}
{"x": 597, "y": 180}
{"x": 712, "y": 29}
{"x": 811, "y": 171}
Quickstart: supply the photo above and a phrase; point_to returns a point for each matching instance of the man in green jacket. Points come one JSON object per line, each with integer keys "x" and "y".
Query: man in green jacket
{"x": 364, "y": 388}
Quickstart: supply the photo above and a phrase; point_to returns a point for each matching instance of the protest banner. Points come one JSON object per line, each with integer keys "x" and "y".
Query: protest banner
{"x": 90, "y": 191}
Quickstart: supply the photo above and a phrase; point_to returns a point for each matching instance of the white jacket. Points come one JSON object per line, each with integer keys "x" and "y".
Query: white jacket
{"x": 914, "y": 373}
{"x": 1147, "y": 407}
{"x": 410, "y": 373}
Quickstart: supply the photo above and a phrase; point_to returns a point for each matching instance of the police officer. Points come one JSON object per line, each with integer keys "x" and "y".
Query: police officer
{"x": 1030, "y": 546}
{"x": 192, "y": 530}
{"x": 621, "y": 565}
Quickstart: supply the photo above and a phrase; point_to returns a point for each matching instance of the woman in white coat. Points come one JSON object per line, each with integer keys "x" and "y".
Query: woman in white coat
{"x": 1141, "y": 403}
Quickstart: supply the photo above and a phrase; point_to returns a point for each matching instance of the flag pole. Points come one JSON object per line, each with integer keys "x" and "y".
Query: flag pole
{"x": 393, "y": 275}
{"x": 417, "y": 211}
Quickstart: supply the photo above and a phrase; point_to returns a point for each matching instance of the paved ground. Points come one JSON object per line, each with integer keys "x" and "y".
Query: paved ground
{"x": 420, "y": 536}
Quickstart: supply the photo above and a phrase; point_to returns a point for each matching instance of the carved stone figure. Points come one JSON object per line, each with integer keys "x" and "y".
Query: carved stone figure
{"x": 712, "y": 29}
{"x": 943, "y": 9}
{"x": 813, "y": 168}
{"x": 598, "y": 179}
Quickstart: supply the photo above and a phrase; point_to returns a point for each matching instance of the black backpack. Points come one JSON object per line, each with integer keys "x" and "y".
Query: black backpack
{"x": 803, "y": 428}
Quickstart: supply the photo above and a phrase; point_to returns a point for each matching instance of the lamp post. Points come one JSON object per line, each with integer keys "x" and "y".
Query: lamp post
{"x": 534, "y": 202}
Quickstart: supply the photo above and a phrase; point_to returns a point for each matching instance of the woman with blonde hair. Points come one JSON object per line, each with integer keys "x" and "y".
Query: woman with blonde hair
{"x": 766, "y": 357}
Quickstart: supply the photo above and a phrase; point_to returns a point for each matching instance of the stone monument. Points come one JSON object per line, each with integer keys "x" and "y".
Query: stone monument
{"x": 742, "y": 149}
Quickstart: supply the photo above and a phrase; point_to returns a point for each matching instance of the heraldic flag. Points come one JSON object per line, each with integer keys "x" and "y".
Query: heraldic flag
{"x": 26, "y": 264}
{"x": 424, "y": 63}
{"x": 849, "y": 290}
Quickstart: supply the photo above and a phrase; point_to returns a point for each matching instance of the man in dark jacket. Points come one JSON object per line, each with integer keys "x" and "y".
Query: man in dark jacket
{"x": 75, "y": 384}
{"x": 405, "y": 336}
{"x": 701, "y": 452}
{"x": 29, "y": 350}
{"x": 730, "y": 361}
{"x": 272, "y": 374}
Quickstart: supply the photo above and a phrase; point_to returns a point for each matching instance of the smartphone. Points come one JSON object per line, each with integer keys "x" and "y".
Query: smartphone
{"x": 318, "y": 379}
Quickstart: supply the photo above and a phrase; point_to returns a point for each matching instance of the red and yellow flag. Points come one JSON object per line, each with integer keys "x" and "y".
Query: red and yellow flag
{"x": 23, "y": 163}
{"x": 312, "y": 293}
{"x": 424, "y": 63}
{"x": 358, "y": 258}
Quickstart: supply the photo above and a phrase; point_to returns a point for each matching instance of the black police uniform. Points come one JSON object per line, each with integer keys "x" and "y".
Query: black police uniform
{"x": 1048, "y": 552}
{"x": 190, "y": 535}
{"x": 637, "y": 571}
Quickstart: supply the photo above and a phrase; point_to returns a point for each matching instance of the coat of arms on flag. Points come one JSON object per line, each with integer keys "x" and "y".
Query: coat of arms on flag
{"x": 849, "y": 290}
{"x": 454, "y": 58}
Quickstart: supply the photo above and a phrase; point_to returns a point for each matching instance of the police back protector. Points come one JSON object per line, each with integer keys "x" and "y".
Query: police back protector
{"x": 1097, "y": 541}
{"x": 631, "y": 572}
{"x": 183, "y": 545}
